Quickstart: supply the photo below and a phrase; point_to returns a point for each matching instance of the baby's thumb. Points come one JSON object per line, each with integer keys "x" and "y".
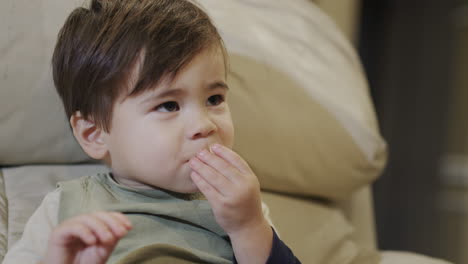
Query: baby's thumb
{"x": 104, "y": 252}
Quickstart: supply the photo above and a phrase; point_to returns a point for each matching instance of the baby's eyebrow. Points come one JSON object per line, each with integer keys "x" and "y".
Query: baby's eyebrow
{"x": 218, "y": 84}
{"x": 152, "y": 97}
{"x": 179, "y": 92}
{"x": 171, "y": 92}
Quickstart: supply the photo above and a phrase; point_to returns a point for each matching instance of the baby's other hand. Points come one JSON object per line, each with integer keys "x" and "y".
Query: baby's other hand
{"x": 87, "y": 239}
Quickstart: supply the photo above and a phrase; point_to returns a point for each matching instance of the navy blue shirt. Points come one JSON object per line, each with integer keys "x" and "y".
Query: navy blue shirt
{"x": 280, "y": 253}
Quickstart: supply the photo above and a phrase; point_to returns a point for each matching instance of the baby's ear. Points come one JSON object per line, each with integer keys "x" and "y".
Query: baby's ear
{"x": 89, "y": 135}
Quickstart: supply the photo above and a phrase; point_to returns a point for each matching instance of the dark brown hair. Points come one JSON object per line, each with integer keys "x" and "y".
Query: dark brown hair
{"x": 97, "y": 47}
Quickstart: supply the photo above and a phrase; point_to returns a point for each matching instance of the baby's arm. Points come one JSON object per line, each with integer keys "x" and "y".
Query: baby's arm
{"x": 88, "y": 238}
{"x": 233, "y": 191}
{"x": 31, "y": 247}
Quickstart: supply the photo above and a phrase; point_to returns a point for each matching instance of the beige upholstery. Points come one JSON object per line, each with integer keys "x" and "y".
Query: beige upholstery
{"x": 279, "y": 142}
{"x": 3, "y": 218}
{"x": 29, "y": 30}
{"x": 304, "y": 121}
{"x": 274, "y": 94}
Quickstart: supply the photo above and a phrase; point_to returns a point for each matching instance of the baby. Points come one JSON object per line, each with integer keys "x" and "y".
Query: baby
{"x": 144, "y": 86}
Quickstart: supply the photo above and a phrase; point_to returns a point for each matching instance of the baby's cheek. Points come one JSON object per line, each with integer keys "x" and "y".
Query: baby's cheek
{"x": 227, "y": 140}
{"x": 227, "y": 135}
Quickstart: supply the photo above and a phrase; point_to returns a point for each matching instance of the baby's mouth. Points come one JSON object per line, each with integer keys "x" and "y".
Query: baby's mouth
{"x": 207, "y": 148}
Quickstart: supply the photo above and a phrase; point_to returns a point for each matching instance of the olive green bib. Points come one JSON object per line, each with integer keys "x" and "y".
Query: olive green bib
{"x": 168, "y": 227}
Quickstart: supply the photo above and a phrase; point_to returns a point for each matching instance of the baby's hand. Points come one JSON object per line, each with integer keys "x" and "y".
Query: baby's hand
{"x": 233, "y": 191}
{"x": 87, "y": 238}
{"x": 230, "y": 186}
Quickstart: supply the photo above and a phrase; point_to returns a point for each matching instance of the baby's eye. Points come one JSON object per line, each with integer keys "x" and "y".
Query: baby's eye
{"x": 168, "y": 107}
{"x": 215, "y": 100}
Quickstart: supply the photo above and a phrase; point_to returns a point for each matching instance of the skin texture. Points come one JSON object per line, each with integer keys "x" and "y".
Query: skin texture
{"x": 177, "y": 136}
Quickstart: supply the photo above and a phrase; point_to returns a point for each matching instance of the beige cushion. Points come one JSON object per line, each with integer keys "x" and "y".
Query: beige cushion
{"x": 301, "y": 106}
{"x": 3, "y": 219}
{"x": 291, "y": 141}
{"x": 316, "y": 233}
{"x": 33, "y": 125}
{"x": 300, "y": 102}
{"x": 401, "y": 257}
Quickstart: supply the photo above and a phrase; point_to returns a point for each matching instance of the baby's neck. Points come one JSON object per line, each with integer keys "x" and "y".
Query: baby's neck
{"x": 144, "y": 187}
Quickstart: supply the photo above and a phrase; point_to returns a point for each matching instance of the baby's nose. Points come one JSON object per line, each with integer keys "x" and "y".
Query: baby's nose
{"x": 201, "y": 128}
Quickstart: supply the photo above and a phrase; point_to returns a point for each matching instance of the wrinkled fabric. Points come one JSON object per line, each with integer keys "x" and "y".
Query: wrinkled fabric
{"x": 165, "y": 224}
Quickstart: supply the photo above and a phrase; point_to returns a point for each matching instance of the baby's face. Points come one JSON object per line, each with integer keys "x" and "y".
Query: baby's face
{"x": 154, "y": 134}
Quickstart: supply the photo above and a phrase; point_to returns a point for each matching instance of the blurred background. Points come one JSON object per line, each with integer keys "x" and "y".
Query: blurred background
{"x": 415, "y": 54}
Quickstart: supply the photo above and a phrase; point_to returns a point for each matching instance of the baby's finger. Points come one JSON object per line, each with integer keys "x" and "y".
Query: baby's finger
{"x": 231, "y": 157}
{"x": 99, "y": 228}
{"x": 68, "y": 233}
{"x": 105, "y": 250}
{"x": 113, "y": 223}
{"x": 123, "y": 219}
{"x": 210, "y": 175}
{"x": 220, "y": 165}
{"x": 205, "y": 187}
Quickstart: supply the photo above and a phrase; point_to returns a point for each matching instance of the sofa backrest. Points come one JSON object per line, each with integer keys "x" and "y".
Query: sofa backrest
{"x": 304, "y": 120}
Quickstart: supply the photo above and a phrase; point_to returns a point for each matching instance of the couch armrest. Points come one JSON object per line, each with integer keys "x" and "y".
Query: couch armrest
{"x": 3, "y": 219}
{"x": 401, "y": 257}
{"x": 359, "y": 210}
